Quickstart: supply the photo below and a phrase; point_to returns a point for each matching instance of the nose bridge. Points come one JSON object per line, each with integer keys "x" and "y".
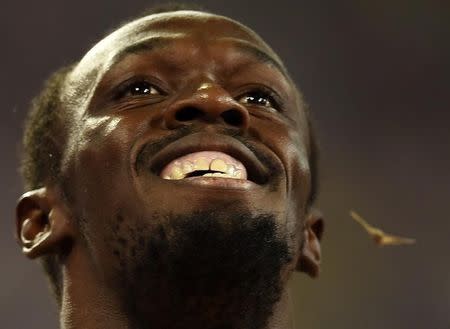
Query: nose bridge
{"x": 207, "y": 102}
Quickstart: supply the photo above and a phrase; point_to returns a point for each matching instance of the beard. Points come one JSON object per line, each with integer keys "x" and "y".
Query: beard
{"x": 209, "y": 269}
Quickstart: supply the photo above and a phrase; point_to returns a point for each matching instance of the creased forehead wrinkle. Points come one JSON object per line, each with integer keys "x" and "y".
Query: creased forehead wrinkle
{"x": 187, "y": 20}
{"x": 97, "y": 59}
{"x": 164, "y": 25}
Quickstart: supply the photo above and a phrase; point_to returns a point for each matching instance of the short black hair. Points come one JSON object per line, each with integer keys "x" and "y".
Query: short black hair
{"x": 44, "y": 140}
{"x": 42, "y": 152}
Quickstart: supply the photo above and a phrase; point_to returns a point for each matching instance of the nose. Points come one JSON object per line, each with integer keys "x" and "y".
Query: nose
{"x": 210, "y": 103}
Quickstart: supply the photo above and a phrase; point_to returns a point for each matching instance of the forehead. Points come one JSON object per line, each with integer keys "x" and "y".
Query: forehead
{"x": 168, "y": 26}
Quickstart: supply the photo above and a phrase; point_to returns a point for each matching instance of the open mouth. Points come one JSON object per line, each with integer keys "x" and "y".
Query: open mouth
{"x": 208, "y": 157}
{"x": 205, "y": 164}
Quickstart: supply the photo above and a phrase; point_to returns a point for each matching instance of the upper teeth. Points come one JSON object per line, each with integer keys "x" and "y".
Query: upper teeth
{"x": 226, "y": 166}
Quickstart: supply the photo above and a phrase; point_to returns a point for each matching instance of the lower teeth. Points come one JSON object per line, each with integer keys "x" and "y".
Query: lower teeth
{"x": 217, "y": 175}
{"x": 178, "y": 176}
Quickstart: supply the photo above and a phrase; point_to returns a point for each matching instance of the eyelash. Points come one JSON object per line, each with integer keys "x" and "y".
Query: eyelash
{"x": 127, "y": 88}
{"x": 265, "y": 93}
{"x": 257, "y": 93}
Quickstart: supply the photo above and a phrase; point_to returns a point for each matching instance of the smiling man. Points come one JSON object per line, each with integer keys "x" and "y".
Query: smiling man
{"x": 171, "y": 175}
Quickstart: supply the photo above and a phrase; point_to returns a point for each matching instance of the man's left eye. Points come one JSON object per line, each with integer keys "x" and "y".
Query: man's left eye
{"x": 259, "y": 98}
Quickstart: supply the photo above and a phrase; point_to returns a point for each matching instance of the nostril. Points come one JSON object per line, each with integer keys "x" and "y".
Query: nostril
{"x": 188, "y": 114}
{"x": 233, "y": 117}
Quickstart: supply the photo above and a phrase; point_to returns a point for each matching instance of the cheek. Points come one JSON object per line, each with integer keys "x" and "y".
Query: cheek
{"x": 99, "y": 160}
{"x": 299, "y": 179}
{"x": 129, "y": 244}
{"x": 289, "y": 144}
{"x": 96, "y": 175}
{"x": 292, "y": 145}
{"x": 113, "y": 241}
{"x": 122, "y": 242}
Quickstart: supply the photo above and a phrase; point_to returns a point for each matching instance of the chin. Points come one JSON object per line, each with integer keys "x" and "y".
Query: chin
{"x": 218, "y": 265}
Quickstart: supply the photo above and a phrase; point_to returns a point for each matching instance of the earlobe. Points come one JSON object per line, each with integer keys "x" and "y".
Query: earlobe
{"x": 310, "y": 254}
{"x": 40, "y": 224}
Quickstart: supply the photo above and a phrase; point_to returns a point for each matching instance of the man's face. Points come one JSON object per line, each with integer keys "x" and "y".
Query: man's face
{"x": 164, "y": 101}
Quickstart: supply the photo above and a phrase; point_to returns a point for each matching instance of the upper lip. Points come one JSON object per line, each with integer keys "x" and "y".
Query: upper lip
{"x": 256, "y": 171}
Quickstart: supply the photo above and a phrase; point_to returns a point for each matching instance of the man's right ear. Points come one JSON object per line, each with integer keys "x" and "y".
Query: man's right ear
{"x": 41, "y": 225}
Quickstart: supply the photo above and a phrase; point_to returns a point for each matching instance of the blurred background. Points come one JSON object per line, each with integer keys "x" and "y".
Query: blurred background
{"x": 376, "y": 75}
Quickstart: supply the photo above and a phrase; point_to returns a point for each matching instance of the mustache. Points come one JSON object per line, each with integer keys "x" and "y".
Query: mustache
{"x": 151, "y": 148}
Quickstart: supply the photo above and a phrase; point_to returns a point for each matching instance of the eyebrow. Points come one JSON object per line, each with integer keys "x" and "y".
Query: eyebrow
{"x": 142, "y": 46}
{"x": 153, "y": 43}
{"x": 261, "y": 56}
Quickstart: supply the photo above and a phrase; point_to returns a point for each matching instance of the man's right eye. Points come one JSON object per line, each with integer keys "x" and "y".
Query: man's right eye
{"x": 138, "y": 89}
{"x": 142, "y": 88}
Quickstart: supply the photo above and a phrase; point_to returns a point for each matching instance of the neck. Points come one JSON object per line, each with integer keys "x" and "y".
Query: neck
{"x": 282, "y": 317}
{"x": 85, "y": 303}
{"x": 88, "y": 304}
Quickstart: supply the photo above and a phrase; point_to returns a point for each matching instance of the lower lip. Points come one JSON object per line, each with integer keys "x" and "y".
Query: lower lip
{"x": 217, "y": 182}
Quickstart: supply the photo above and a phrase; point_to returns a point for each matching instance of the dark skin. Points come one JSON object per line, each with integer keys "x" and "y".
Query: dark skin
{"x": 190, "y": 82}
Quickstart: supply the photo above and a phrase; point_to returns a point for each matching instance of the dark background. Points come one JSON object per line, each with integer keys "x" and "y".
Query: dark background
{"x": 376, "y": 74}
